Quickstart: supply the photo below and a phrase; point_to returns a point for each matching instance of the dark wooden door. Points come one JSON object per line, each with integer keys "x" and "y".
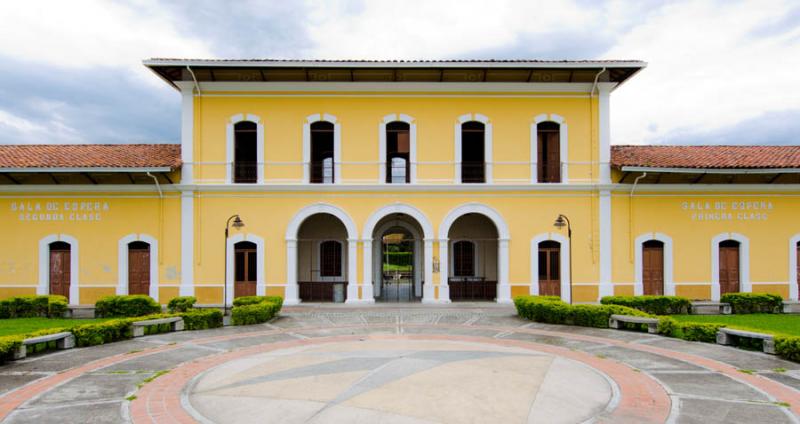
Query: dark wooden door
{"x": 549, "y": 269}
{"x": 653, "y": 268}
{"x": 139, "y": 268}
{"x": 729, "y": 267}
{"x": 246, "y": 269}
{"x": 60, "y": 271}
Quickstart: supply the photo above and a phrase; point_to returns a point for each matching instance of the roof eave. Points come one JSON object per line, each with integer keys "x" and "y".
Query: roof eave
{"x": 19, "y": 170}
{"x": 740, "y": 171}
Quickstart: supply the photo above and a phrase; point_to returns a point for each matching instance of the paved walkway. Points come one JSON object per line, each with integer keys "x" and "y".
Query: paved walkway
{"x": 465, "y": 363}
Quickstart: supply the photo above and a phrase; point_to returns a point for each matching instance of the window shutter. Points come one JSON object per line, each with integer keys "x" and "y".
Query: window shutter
{"x": 541, "y": 145}
{"x": 553, "y": 158}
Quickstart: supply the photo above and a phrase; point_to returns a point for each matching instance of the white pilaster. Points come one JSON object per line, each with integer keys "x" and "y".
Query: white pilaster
{"x": 367, "y": 288}
{"x": 604, "y": 155}
{"x": 292, "y": 295}
{"x": 427, "y": 289}
{"x": 352, "y": 271}
{"x": 503, "y": 289}
{"x": 606, "y": 287}
{"x": 187, "y": 131}
{"x": 187, "y": 243}
{"x": 444, "y": 287}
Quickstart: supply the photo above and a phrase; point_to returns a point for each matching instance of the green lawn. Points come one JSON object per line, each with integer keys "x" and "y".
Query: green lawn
{"x": 28, "y": 325}
{"x": 771, "y": 323}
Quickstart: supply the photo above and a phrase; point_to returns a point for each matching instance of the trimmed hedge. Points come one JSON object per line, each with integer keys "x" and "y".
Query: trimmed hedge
{"x": 181, "y": 304}
{"x": 753, "y": 303}
{"x": 121, "y": 329}
{"x": 201, "y": 319}
{"x": 788, "y": 347}
{"x": 692, "y": 331}
{"x": 126, "y": 306}
{"x": 553, "y": 311}
{"x": 656, "y": 305}
{"x": 33, "y": 306}
{"x": 249, "y": 310}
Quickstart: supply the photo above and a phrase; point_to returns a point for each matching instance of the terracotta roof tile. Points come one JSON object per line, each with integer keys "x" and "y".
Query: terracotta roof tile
{"x": 710, "y": 157}
{"x": 90, "y": 156}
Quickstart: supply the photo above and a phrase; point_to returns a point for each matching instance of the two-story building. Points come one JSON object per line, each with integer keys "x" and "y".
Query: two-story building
{"x": 397, "y": 181}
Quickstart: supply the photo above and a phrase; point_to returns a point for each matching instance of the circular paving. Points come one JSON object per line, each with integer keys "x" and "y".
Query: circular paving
{"x": 401, "y": 381}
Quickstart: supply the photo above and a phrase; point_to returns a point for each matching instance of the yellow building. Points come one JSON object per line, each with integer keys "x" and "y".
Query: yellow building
{"x": 365, "y": 181}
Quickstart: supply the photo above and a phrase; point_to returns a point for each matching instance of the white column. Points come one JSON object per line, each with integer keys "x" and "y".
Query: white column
{"x": 503, "y": 288}
{"x": 187, "y": 131}
{"x": 187, "y": 243}
{"x": 352, "y": 271}
{"x": 427, "y": 289}
{"x": 444, "y": 272}
{"x": 367, "y": 293}
{"x": 606, "y": 287}
{"x": 604, "y": 154}
{"x": 291, "y": 296}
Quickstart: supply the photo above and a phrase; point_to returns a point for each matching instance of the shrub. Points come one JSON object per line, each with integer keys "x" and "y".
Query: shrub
{"x": 248, "y": 300}
{"x": 553, "y": 311}
{"x": 753, "y": 303}
{"x": 656, "y": 305}
{"x": 32, "y": 306}
{"x": 181, "y": 304}
{"x": 201, "y": 319}
{"x": 788, "y": 347}
{"x": 103, "y": 332}
{"x": 8, "y": 344}
{"x": 246, "y": 312}
{"x": 126, "y": 306}
{"x": 56, "y": 306}
{"x": 692, "y": 331}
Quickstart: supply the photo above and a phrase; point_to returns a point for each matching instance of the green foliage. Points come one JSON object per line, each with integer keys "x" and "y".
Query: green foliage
{"x": 181, "y": 304}
{"x": 753, "y": 303}
{"x": 247, "y": 312}
{"x": 103, "y": 332}
{"x": 126, "y": 306}
{"x": 788, "y": 347}
{"x": 8, "y": 344}
{"x": 56, "y": 306}
{"x": 551, "y": 310}
{"x": 656, "y": 305}
{"x": 692, "y": 331}
{"x": 25, "y": 306}
{"x": 201, "y": 319}
{"x": 399, "y": 258}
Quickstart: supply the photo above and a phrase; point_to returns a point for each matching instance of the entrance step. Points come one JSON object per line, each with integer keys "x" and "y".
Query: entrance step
{"x": 791, "y": 307}
{"x": 80, "y": 311}
{"x": 710, "y": 308}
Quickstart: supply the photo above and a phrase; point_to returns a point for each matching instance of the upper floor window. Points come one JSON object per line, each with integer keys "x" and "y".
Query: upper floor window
{"x": 548, "y": 153}
{"x": 245, "y": 152}
{"x": 473, "y": 152}
{"x": 398, "y": 147}
{"x": 322, "y": 165}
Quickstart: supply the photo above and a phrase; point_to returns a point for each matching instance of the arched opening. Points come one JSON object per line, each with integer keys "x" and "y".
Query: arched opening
{"x": 548, "y": 152}
{"x": 322, "y": 153}
{"x": 473, "y": 152}
{"x": 398, "y": 150}
{"x": 549, "y": 268}
{"x": 245, "y": 152}
{"x": 397, "y": 255}
{"x": 60, "y": 268}
{"x": 245, "y": 274}
{"x": 473, "y": 255}
{"x": 653, "y": 268}
{"x": 139, "y": 268}
{"x": 729, "y": 267}
{"x": 321, "y": 259}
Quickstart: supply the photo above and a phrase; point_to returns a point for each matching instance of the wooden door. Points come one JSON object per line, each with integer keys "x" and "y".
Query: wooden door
{"x": 245, "y": 269}
{"x": 549, "y": 269}
{"x": 139, "y": 268}
{"x": 60, "y": 268}
{"x": 729, "y": 267}
{"x": 653, "y": 268}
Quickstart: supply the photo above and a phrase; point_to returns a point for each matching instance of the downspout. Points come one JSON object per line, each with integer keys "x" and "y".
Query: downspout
{"x": 591, "y": 159}
{"x": 160, "y": 215}
{"x": 197, "y": 85}
{"x": 630, "y": 215}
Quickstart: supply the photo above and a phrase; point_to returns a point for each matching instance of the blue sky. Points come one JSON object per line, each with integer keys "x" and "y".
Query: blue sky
{"x": 720, "y": 72}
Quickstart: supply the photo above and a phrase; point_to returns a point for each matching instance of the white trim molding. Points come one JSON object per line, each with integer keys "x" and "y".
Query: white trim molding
{"x": 744, "y": 263}
{"x": 44, "y": 266}
{"x": 487, "y": 145}
{"x": 563, "y": 145}
{"x": 337, "y": 145}
{"x": 292, "y": 295}
{"x": 564, "y": 259}
{"x": 503, "y": 289}
{"x": 122, "y": 263}
{"x": 427, "y": 234}
{"x": 187, "y": 244}
{"x": 231, "y": 269}
{"x": 230, "y": 137}
{"x": 793, "y": 291}
{"x": 606, "y": 287}
{"x": 412, "y": 148}
{"x": 669, "y": 284}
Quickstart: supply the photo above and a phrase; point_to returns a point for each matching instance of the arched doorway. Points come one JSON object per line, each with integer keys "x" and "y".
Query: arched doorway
{"x": 397, "y": 256}
{"x": 473, "y": 258}
{"x": 322, "y": 259}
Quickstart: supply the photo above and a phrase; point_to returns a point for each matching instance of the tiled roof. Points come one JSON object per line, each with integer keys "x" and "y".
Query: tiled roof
{"x": 706, "y": 157}
{"x": 90, "y": 156}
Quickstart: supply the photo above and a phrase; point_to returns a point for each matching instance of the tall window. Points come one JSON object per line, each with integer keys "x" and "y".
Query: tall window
{"x": 245, "y": 162}
{"x": 548, "y": 153}
{"x": 398, "y": 146}
{"x": 473, "y": 152}
{"x": 463, "y": 259}
{"x": 330, "y": 257}
{"x": 322, "y": 153}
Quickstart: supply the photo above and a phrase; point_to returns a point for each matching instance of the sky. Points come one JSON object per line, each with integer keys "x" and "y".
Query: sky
{"x": 719, "y": 72}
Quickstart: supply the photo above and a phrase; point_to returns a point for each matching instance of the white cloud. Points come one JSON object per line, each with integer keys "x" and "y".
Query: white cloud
{"x": 710, "y": 66}
{"x": 53, "y": 130}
